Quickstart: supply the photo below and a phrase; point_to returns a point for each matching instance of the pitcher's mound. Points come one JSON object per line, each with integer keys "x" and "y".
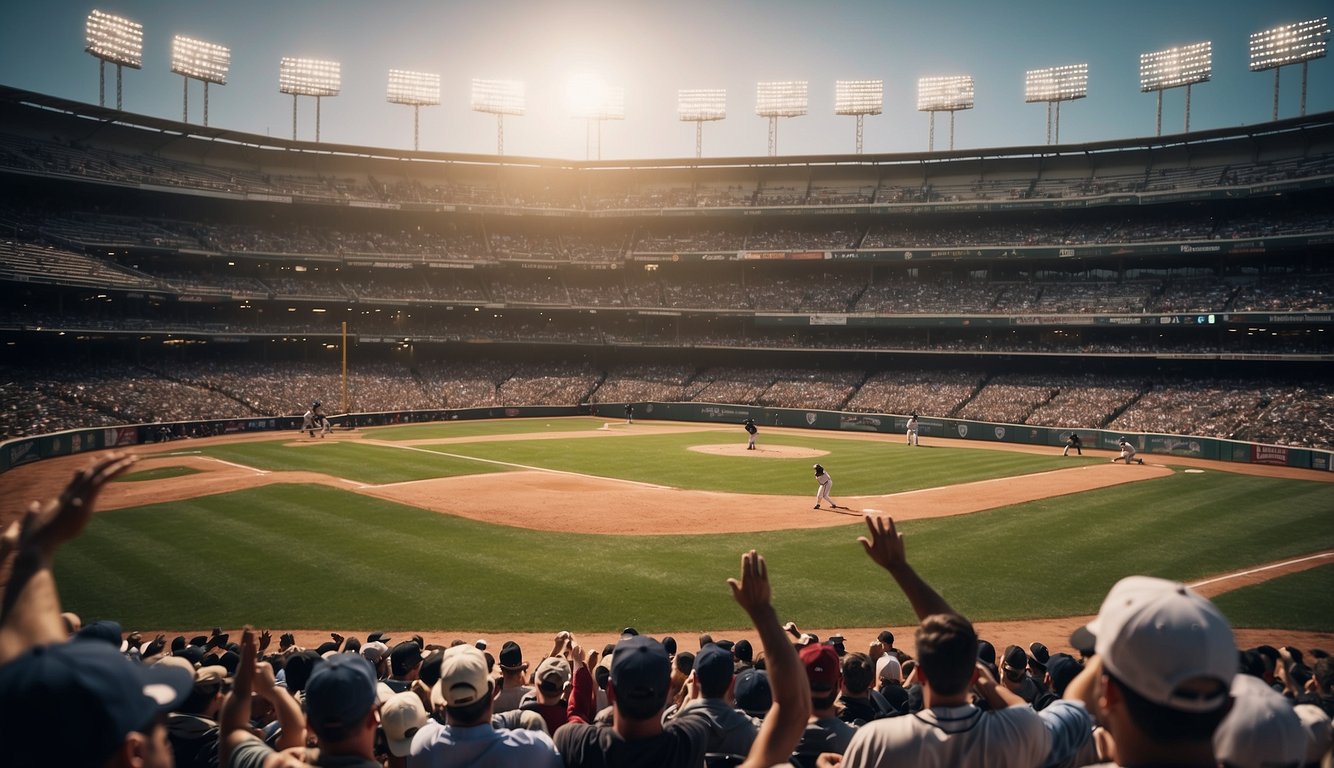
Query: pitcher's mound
{"x": 761, "y": 451}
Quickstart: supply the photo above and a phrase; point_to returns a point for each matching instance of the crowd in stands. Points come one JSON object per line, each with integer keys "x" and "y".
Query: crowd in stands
{"x": 1156, "y": 678}
{"x": 42, "y": 399}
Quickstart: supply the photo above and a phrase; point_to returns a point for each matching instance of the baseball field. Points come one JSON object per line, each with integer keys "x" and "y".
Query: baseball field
{"x": 520, "y": 528}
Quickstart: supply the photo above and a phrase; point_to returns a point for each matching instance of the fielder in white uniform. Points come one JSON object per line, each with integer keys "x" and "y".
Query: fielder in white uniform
{"x": 826, "y": 482}
{"x": 912, "y": 429}
{"x": 1127, "y": 452}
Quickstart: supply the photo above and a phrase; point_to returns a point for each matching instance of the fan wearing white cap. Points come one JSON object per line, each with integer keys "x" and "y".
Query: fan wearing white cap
{"x": 466, "y": 692}
{"x": 1161, "y": 677}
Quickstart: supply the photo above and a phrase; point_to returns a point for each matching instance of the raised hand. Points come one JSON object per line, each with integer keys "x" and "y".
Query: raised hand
{"x": 46, "y": 527}
{"x": 885, "y": 545}
{"x": 752, "y": 592}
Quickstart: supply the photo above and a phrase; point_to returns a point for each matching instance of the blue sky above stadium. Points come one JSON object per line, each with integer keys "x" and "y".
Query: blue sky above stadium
{"x": 654, "y": 49}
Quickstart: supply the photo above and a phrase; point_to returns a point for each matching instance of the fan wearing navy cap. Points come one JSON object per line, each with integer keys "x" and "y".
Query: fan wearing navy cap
{"x": 731, "y": 731}
{"x": 77, "y": 702}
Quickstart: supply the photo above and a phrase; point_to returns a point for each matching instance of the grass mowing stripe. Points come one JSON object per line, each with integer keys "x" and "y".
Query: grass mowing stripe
{"x": 311, "y": 556}
{"x": 1282, "y": 602}
{"x": 858, "y": 467}
{"x": 370, "y": 464}
{"x": 156, "y": 473}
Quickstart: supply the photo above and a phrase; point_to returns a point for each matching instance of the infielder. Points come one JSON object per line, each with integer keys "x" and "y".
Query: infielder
{"x": 751, "y": 430}
{"x": 1127, "y": 452}
{"x": 826, "y": 482}
{"x": 629, "y": 414}
{"x": 912, "y": 429}
{"x": 314, "y": 420}
{"x": 1073, "y": 441}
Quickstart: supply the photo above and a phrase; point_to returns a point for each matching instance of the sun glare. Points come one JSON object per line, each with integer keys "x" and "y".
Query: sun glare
{"x": 585, "y": 93}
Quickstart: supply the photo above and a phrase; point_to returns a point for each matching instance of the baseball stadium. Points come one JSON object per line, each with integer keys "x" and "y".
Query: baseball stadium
{"x": 534, "y": 376}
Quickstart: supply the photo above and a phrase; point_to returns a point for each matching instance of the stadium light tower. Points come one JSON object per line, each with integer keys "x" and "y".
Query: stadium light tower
{"x": 779, "y": 98}
{"x": 416, "y": 90}
{"x": 1173, "y": 68}
{"x": 700, "y": 105}
{"x": 944, "y": 94}
{"x": 1055, "y": 85}
{"x": 595, "y": 102}
{"x": 197, "y": 60}
{"x": 1289, "y": 44}
{"x": 115, "y": 40}
{"x": 309, "y": 77}
{"x": 859, "y": 98}
{"x": 499, "y": 98}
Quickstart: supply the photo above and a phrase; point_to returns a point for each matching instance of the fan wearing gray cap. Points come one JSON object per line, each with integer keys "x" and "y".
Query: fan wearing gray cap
{"x": 78, "y": 702}
{"x": 466, "y": 693}
{"x": 710, "y": 687}
{"x": 1161, "y": 678}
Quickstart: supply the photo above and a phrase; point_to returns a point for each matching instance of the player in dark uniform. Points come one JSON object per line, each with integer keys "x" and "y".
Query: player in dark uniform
{"x": 751, "y": 430}
{"x": 629, "y": 414}
{"x": 1073, "y": 441}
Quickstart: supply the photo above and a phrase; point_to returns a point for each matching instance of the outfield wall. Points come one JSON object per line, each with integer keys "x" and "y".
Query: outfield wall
{"x": 24, "y": 450}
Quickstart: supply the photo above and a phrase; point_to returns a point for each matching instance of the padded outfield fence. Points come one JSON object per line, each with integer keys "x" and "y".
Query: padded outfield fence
{"x": 24, "y": 450}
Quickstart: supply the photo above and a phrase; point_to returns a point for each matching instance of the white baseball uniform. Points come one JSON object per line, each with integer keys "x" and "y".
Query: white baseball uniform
{"x": 912, "y": 430}
{"x": 826, "y": 483}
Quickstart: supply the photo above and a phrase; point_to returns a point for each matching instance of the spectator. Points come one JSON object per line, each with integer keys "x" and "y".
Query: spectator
{"x": 855, "y": 704}
{"x": 343, "y": 696}
{"x": 730, "y": 730}
{"x": 466, "y": 692}
{"x": 513, "y": 682}
{"x": 1160, "y": 680}
{"x": 401, "y": 717}
{"x": 949, "y": 730}
{"x": 193, "y": 728}
{"x": 825, "y": 733}
{"x": 889, "y": 673}
{"x": 404, "y": 665}
{"x": 1261, "y": 729}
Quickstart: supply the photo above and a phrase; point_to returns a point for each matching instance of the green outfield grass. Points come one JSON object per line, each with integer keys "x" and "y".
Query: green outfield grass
{"x": 315, "y": 557}
{"x": 371, "y": 464}
{"x": 157, "y": 473}
{"x": 1295, "y": 601}
{"x": 859, "y": 467}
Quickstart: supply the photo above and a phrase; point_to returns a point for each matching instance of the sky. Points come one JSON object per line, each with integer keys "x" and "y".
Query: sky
{"x": 655, "y": 49}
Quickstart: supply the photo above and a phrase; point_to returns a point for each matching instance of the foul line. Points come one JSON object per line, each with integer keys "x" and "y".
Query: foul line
{"x": 238, "y": 466}
{"x": 507, "y": 464}
{"x": 1261, "y": 569}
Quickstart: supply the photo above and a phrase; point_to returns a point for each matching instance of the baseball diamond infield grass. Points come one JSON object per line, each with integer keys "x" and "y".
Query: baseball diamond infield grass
{"x": 1282, "y": 602}
{"x": 314, "y": 556}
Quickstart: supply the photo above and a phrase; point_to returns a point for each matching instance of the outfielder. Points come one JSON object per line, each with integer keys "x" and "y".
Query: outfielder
{"x": 1127, "y": 452}
{"x": 751, "y": 430}
{"x": 314, "y": 420}
{"x": 826, "y": 482}
{"x": 912, "y": 429}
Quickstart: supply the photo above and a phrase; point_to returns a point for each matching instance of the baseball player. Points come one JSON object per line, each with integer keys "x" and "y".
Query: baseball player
{"x": 826, "y": 482}
{"x": 1073, "y": 441}
{"x": 314, "y": 421}
{"x": 751, "y": 430}
{"x": 629, "y": 414}
{"x": 912, "y": 429}
{"x": 1127, "y": 452}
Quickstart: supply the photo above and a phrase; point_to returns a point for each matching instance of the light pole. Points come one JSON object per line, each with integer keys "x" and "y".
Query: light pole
{"x": 1290, "y": 44}
{"x": 859, "y": 98}
{"x": 943, "y": 94}
{"x": 699, "y": 106}
{"x": 416, "y": 90}
{"x": 780, "y": 98}
{"x": 198, "y": 60}
{"x": 115, "y": 40}
{"x": 499, "y": 98}
{"x": 1055, "y": 85}
{"x": 1173, "y": 68}
{"x": 309, "y": 77}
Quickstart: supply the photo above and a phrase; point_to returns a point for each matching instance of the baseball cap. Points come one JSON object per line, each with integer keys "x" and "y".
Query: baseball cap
{"x": 821, "y": 662}
{"x": 1062, "y": 668}
{"x": 986, "y": 652}
{"x": 888, "y": 668}
{"x": 340, "y": 692}
{"x": 744, "y": 651}
{"x": 105, "y": 630}
{"x": 463, "y": 677}
{"x": 400, "y": 717}
{"x": 553, "y": 672}
{"x": 1155, "y": 635}
{"x": 1038, "y": 655}
{"x": 85, "y": 685}
{"x": 373, "y": 651}
{"x": 1261, "y": 729}
{"x": 511, "y": 656}
{"x": 640, "y": 669}
{"x": 405, "y": 656}
{"x": 1014, "y": 660}
{"x": 752, "y": 692}
{"x": 713, "y": 667}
